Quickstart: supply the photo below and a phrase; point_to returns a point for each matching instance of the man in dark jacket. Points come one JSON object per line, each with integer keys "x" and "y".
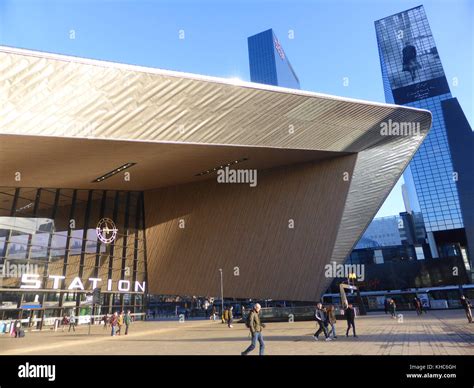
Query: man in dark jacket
{"x": 256, "y": 328}
{"x": 321, "y": 319}
{"x": 386, "y": 305}
{"x": 466, "y": 304}
{"x": 393, "y": 309}
{"x": 417, "y": 305}
{"x": 350, "y": 317}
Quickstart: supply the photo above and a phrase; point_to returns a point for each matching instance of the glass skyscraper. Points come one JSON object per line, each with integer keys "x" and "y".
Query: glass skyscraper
{"x": 269, "y": 63}
{"x": 439, "y": 178}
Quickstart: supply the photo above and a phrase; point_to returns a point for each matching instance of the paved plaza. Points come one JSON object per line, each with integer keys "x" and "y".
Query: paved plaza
{"x": 435, "y": 333}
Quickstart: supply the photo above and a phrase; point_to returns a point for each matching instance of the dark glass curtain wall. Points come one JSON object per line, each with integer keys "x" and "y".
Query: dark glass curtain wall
{"x": 53, "y": 232}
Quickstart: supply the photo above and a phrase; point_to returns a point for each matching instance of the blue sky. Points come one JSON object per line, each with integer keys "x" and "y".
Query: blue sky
{"x": 332, "y": 39}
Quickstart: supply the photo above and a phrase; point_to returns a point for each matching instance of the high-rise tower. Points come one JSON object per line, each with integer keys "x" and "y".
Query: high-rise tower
{"x": 269, "y": 63}
{"x": 440, "y": 175}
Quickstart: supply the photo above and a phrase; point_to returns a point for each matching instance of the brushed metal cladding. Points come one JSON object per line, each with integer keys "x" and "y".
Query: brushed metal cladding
{"x": 228, "y": 226}
{"x": 56, "y": 95}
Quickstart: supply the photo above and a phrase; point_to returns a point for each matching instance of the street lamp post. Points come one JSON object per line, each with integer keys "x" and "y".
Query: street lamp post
{"x": 222, "y": 292}
{"x": 362, "y": 311}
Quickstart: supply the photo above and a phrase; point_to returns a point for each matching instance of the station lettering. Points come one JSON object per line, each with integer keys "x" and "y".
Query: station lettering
{"x": 33, "y": 281}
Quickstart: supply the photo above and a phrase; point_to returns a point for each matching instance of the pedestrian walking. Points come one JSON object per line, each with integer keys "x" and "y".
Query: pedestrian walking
{"x": 128, "y": 321}
{"x": 113, "y": 323}
{"x": 255, "y": 327}
{"x": 421, "y": 307}
{"x": 225, "y": 316}
{"x": 64, "y": 322}
{"x": 331, "y": 319}
{"x": 17, "y": 328}
{"x": 230, "y": 317}
{"x": 321, "y": 319}
{"x": 386, "y": 305}
{"x": 213, "y": 313}
{"x": 120, "y": 323}
{"x": 72, "y": 323}
{"x": 349, "y": 313}
{"x": 393, "y": 309}
{"x": 105, "y": 319}
{"x": 466, "y": 304}
{"x": 417, "y": 304}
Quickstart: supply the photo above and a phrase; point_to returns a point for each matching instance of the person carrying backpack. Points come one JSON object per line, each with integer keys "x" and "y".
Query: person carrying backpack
{"x": 255, "y": 327}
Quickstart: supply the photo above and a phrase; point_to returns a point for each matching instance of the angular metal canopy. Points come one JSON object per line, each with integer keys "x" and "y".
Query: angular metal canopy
{"x": 64, "y": 121}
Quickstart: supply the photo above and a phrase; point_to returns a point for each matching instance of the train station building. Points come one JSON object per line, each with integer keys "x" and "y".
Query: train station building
{"x": 109, "y": 179}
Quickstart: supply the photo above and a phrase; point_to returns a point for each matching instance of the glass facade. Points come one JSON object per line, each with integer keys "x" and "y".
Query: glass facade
{"x": 269, "y": 63}
{"x": 413, "y": 76}
{"x": 384, "y": 231}
{"x": 401, "y": 270}
{"x": 51, "y": 236}
{"x": 433, "y": 173}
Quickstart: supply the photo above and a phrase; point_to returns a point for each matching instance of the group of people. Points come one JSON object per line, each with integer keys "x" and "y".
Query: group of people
{"x": 391, "y": 307}
{"x": 324, "y": 316}
{"x": 69, "y": 321}
{"x": 326, "y": 320}
{"x": 116, "y": 321}
{"x": 227, "y": 315}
